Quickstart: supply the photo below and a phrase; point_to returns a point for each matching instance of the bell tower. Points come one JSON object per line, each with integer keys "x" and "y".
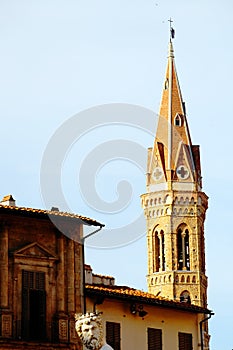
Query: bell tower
{"x": 174, "y": 204}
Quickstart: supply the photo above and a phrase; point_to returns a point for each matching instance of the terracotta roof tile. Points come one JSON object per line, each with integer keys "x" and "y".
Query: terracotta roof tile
{"x": 131, "y": 294}
{"x": 42, "y": 212}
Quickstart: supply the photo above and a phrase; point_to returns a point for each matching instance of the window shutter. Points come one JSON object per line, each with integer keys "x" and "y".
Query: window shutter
{"x": 185, "y": 341}
{"x": 154, "y": 338}
{"x": 113, "y": 335}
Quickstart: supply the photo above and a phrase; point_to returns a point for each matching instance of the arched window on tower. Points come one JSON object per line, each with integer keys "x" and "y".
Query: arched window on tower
{"x": 178, "y": 121}
{"x": 159, "y": 251}
{"x": 186, "y": 242}
{"x": 162, "y": 251}
{"x": 156, "y": 252}
{"x": 183, "y": 249}
{"x": 180, "y": 250}
{"x": 185, "y": 297}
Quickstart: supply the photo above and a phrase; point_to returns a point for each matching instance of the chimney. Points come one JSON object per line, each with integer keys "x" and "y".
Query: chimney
{"x": 8, "y": 200}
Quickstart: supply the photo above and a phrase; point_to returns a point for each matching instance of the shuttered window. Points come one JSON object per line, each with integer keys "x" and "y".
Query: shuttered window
{"x": 113, "y": 336}
{"x": 185, "y": 341}
{"x": 154, "y": 339}
{"x": 33, "y": 305}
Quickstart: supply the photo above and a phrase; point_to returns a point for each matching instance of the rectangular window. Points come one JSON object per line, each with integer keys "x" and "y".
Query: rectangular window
{"x": 113, "y": 336}
{"x": 33, "y": 305}
{"x": 185, "y": 341}
{"x": 154, "y": 339}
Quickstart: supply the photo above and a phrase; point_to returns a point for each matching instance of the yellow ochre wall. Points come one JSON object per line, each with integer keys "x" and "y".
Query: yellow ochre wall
{"x": 134, "y": 328}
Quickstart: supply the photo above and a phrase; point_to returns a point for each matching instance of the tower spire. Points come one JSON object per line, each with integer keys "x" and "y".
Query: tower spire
{"x": 173, "y": 149}
{"x": 174, "y": 204}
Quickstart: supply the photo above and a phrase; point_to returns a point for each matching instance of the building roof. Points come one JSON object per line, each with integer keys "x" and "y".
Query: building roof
{"x": 135, "y": 295}
{"x": 46, "y": 213}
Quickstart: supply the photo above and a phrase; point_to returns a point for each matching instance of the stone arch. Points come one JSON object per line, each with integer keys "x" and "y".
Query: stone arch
{"x": 170, "y": 278}
{"x": 168, "y": 199}
{"x": 185, "y": 297}
{"x": 194, "y": 279}
{"x": 182, "y": 279}
{"x": 151, "y": 202}
{"x": 188, "y": 279}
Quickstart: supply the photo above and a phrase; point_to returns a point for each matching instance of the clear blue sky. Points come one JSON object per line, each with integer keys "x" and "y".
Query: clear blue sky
{"x": 61, "y": 57}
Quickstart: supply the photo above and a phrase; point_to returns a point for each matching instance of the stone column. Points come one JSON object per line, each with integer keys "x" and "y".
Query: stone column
{"x": 70, "y": 276}
{"x": 3, "y": 266}
{"x": 61, "y": 276}
{"x": 78, "y": 268}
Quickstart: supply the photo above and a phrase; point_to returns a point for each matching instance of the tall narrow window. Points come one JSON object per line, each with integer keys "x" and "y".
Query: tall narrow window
{"x": 185, "y": 341}
{"x": 154, "y": 339}
{"x": 156, "y": 252}
{"x": 178, "y": 120}
{"x": 113, "y": 337}
{"x": 183, "y": 250}
{"x": 186, "y": 243}
{"x": 33, "y": 305}
{"x": 162, "y": 250}
{"x": 179, "y": 250}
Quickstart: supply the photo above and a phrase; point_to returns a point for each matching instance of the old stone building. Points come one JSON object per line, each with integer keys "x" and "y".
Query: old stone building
{"x": 174, "y": 204}
{"x": 41, "y": 276}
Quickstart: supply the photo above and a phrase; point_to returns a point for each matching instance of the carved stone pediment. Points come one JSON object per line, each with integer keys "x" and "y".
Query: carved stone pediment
{"x": 34, "y": 250}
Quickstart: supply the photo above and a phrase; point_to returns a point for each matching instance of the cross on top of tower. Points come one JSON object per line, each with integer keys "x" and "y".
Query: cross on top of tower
{"x": 172, "y": 30}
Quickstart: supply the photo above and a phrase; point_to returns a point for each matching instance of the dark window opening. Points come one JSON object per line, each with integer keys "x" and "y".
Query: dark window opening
{"x": 178, "y": 120}
{"x": 154, "y": 339}
{"x": 33, "y": 306}
{"x": 156, "y": 250}
{"x": 180, "y": 251}
{"x": 185, "y": 297}
{"x": 162, "y": 251}
{"x": 183, "y": 250}
{"x": 113, "y": 337}
{"x": 185, "y": 341}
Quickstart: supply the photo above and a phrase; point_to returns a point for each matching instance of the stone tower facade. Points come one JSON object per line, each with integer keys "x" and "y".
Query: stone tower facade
{"x": 174, "y": 204}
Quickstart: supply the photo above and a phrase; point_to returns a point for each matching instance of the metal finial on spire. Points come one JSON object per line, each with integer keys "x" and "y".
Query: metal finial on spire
{"x": 172, "y": 30}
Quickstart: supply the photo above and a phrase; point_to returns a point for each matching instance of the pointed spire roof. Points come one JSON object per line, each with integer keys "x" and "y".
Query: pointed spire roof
{"x": 172, "y": 153}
